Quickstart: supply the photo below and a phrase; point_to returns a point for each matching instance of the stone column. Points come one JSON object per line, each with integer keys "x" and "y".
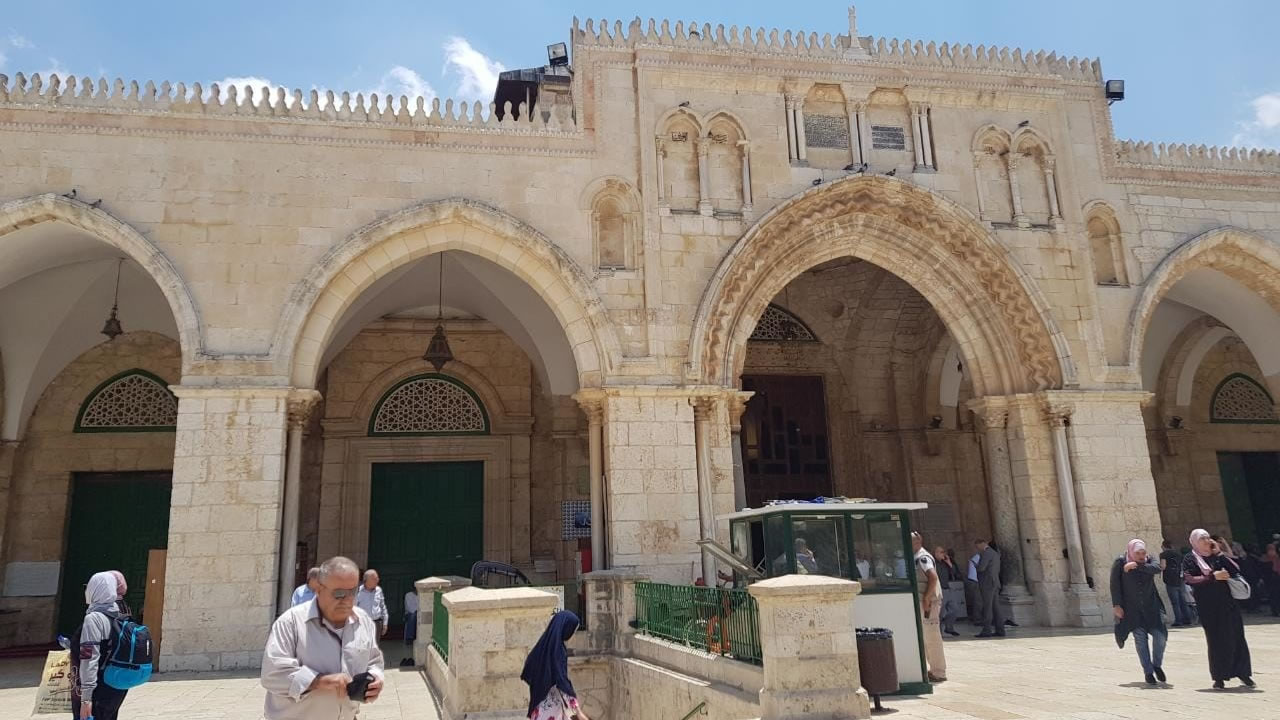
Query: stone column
{"x": 490, "y": 634}
{"x": 926, "y": 137}
{"x": 594, "y": 408}
{"x": 746, "y": 177}
{"x": 704, "y": 176}
{"x": 1082, "y": 603}
{"x": 224, "y": 526}
{"x": 301, "y": 404}
{"x": 737, "y": 404}
{"x": 8, "y": 454}
{"x": 802, "y": 153}
{"x": 661, "y": 171}
{"x": 993, "y": 418}
{"x": 1015, "y": 192}
{"x": 856, "y": 154}
{"x": 702, "y": 409}
{"x": 789, "y": 102}
{"x": 809, "y": 651}
{"x": 917, "y": 129}
{"x": 1051, "y": 185}
{"x": 977, "y": 183}
{"x": 864, "y": 133}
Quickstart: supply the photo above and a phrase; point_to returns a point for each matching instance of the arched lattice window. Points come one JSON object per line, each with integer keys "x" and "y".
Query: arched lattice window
{"x": 778, "y": 325}
{"x": 133, "y": 401}
{"x": 429, "y": 405}
{"x": 1240, "y": 399}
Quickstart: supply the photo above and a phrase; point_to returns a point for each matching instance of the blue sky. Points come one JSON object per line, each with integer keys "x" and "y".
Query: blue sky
{"x": 1196, "y": 71}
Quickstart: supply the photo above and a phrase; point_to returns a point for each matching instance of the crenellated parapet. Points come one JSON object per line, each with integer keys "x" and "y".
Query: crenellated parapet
{"x": 1196, "y": 157}
{"x": 316, "y": 105}
{"x": 788, "y": 43}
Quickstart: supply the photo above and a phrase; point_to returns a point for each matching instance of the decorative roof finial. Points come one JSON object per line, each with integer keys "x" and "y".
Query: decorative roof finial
{"x": 853, "y": 24}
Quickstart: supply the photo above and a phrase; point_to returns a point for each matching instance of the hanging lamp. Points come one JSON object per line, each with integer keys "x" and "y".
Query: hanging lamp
{"x": 438, "y": 352}
{"x": 112, "y": 328}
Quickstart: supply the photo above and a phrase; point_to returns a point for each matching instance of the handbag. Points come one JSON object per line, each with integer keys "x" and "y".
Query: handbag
{"x": 1240, "y": 589}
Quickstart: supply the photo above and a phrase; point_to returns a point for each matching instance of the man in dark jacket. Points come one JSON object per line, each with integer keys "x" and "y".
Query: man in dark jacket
{"x": 989, "y": 591}
{"x": 1138, "y": 609}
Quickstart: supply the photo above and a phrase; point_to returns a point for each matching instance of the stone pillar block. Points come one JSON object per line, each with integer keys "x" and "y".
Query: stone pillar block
{"x": 490, "y": 634}
{"x": 426, "y": 589}
{"x": 611, "y": 606}
{"x": 810, "y": 650}
{"x": 220, "y": 579}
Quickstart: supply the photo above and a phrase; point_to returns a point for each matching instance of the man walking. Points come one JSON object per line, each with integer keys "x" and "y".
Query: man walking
{"x": 372, "y": 601}
{"x": 972, "y": 600}
{"x": 322, "y": 658}
{"x": 989, "y": 590}
{"x": 930, "y": 609}
{"x": 952, "y": 596}
{"x": 307, "y": 590}
{"x": 1171, "y": 570}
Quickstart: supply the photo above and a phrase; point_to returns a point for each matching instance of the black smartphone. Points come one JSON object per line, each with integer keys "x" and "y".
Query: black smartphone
{"x": 358, "y": 686}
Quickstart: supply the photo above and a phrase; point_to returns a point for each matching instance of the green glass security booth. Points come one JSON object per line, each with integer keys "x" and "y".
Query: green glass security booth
{"x": 867, "y": 542}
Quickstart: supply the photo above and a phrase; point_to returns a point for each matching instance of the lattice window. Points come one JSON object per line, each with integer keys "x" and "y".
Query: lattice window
{"x": 778, "y": 325}
{"x": 133, "y": 401}
{"x": 1240, "y": 399}
{"x": 429, "y": 405}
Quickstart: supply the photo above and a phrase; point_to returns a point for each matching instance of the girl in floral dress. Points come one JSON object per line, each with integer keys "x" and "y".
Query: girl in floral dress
{"x": 546, "y": 672}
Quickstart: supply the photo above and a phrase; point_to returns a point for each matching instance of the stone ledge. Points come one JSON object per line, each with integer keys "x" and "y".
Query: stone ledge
{"x": 471, "y": 599}
{"x": 792, "y": 585}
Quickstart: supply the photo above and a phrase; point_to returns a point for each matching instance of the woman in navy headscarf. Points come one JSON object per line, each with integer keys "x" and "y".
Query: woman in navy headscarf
{"x": 546, "y": 672}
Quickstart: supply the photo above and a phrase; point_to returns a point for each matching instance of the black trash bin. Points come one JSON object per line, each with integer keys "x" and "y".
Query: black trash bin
{"x": 876, "y": 662}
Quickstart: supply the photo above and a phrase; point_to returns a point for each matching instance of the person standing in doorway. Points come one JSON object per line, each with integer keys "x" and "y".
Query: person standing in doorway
{"x": 1207, "y": 569}
{"x": 410, "y": 625}
{"x": 1137, "y": 607}
{"x": 930, "y": 609}
{"x": 307, "y": 590}
{"x": 372, "y": 601}
{"x": 949, "y": 579}
{"x": 1171, "y": 569}
{"x": 90, "y": 696}
{"x": 989, "y": 590}
{"x": 322, "y": 658}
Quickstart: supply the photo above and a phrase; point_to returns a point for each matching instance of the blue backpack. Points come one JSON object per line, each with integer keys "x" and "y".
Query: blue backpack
{"x": 128, "y": 662}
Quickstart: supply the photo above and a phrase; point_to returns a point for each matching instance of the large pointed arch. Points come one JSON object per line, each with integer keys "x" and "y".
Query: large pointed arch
{"x": 52, "y": 207}
{"x": 317, "y": 303}
{"x": 984, "y": 297}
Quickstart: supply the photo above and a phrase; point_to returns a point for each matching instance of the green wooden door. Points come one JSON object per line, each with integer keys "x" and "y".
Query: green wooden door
{"x": 1235, "y": 494}
{"x": 116, "y": 518}
{"x": 424, "y": 519}
{"x": 1262, "y": 470}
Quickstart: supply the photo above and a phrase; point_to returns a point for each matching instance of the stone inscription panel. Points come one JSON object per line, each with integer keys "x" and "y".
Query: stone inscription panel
{"x": 888, "y": 137}
{"x": 826, "y": 131}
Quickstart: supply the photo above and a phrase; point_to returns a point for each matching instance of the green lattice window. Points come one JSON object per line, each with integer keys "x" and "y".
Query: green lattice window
{"x": 1240, "y": 399}
{"x": 133, "y": 401}
{"x": 429, "y": 404}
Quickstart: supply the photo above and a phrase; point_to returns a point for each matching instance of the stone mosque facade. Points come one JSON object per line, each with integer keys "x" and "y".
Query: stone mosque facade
{"x": 710, "y": 268}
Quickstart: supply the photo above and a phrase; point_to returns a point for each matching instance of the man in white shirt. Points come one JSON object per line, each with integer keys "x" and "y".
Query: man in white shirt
{"x": 930, "y": 609}
{"x": 372, "y": 601}
{"x": 316, "y": 650}
{"x": 307, "y": 590}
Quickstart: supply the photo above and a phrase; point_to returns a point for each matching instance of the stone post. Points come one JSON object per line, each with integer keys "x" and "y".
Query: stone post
{"x": 747, "y": 204}
{"x": 789, "y": 102}
{"x": 1082, "y": 604}
{"x": 426, "y": 589}
{"x": 301, "y": 404}
{"x": 661, "y": 144}
{"x": 490, "y": 634}
{"x": 224, "y": 527}
{"x": 917, "y": 129}
{"x": 809, "y": 649}
{"x": 802, "y": 143}
{"x": 704, "y": 177}
{"x": 737, "y": 404}
{"x": 702, "y": 409}
{"x": 993, "y": 417}
{"x": 926, "y": 137}
{"x": 977, "y": 183}
{"x": 594, "y": 408}
{"x": 611, "y": 606}
{"x": 1051, "y": 185}
{"x": 1015, "y": 192}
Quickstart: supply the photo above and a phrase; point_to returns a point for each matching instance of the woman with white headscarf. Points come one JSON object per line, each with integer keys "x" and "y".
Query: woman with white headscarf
{"x": 1138, "y": 609}
{"x": 90, "y": 697}
{"x": 1206, "y": 570}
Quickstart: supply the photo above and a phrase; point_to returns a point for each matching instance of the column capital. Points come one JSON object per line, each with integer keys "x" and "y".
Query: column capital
{"x": 992, "y": 412}
{"x": 302, "y": 404}
{"x": 736, "y": 404}
{"x": 592, "y": 403}
{"x": 704, "y": 146}
{"x": 704, "y": 407}
{"x": 661, "y": 143}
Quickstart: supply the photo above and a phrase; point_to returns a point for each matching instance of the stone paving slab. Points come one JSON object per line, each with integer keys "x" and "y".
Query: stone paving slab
{"x": 1031, "y": 675}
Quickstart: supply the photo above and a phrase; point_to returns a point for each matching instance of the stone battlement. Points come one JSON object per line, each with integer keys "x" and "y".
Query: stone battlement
{"x": 1197, "y": 157}
{"x": 70, "y": 92}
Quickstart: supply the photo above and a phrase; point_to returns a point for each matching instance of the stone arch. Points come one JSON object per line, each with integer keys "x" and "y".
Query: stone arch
{"x": 984, "y": 297}
{"x": 317, "y": 303}
{"x": 1248, "y": 258}
{"x": 52, "y": 207}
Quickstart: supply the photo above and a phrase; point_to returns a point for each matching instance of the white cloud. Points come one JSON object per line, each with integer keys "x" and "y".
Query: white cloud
{"x": 255, "y": 83}
{"x": 401, "y": 80}
{"x": 20, "y": 42}
{"x": 478, "y": 73}
{"x": 1264, "y": 129}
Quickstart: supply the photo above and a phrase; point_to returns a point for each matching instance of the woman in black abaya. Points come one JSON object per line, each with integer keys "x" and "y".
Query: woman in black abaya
{"x": 1206, "y": 570}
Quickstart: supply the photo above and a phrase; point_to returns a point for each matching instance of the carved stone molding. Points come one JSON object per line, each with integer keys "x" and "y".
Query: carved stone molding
{"x": 302, "y": 405}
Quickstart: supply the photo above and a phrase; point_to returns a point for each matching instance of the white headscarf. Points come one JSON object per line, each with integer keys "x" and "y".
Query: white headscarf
{"x": 100, "y": 593}
{"x": 1196, "y": 536}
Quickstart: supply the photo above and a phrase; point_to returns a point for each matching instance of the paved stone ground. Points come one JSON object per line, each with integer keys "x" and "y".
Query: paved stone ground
{"x": 1037, "y": 675}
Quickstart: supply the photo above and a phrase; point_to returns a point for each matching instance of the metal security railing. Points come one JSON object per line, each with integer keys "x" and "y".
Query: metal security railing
{"x": 718, "y": 621}
{"x": 440, "y": 626}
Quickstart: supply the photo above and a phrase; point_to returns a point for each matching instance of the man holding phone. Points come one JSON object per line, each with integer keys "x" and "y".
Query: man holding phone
{"x": 322, "y": 658}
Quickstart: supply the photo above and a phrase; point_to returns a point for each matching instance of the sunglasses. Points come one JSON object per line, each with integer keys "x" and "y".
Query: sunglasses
{"x": 342, "y": 593}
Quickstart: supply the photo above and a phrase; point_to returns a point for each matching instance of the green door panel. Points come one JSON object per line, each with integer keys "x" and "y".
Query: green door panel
{"x": 1235, "y": 493}
{"x": 115, "y": 519}
{"x": 424, "y": 519}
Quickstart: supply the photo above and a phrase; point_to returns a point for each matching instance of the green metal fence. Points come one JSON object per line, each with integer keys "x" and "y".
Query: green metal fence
{"x": 718, "y": 621}
{"x": 440, "y": 626}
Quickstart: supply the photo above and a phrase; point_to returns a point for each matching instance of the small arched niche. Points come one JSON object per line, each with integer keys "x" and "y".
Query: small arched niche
{"x": 724, "y": 160}
{"x": 678, "y": 144}
{"x": 826, "y": 127}
{"x": 614, "y": 225}
{"x": 892, "y": 141}
{"x": 1106, "y": 246}
{"x": 991, "y": 169}
{"x": 1032, "y": 157}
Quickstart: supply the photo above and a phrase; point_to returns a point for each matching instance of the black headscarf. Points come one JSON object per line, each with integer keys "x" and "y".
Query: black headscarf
{"x": 548, "y": 663}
